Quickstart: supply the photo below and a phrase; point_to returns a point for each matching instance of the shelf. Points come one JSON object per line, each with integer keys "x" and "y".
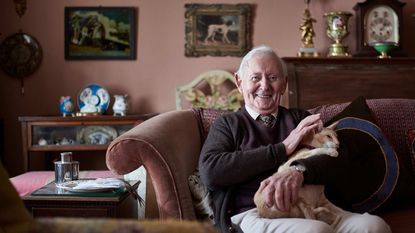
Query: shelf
{"x": 52, "y": 134}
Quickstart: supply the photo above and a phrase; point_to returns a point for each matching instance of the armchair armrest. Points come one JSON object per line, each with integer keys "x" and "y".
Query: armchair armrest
{"x": 168, "y": 146}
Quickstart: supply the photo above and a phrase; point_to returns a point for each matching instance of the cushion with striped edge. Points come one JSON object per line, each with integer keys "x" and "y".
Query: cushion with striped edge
{"x": 374, "y": 165}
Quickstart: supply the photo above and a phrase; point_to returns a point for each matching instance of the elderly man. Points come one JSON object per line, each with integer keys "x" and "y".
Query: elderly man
{"x": 245, "y": 148}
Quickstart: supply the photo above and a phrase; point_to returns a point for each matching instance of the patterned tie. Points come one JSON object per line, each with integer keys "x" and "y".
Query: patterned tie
{"x": 268, "y": 120}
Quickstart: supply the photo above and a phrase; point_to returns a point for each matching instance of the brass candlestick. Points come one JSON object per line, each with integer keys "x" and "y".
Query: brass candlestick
{"x": 307, "y": 34}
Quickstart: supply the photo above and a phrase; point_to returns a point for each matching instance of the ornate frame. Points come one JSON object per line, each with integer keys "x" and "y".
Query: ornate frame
{"x": 205, "y": 25}
{"x": 90, "y": 33}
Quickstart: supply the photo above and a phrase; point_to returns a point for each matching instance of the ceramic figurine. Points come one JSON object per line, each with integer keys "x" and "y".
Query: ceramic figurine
{"x": 66, "y": 106}
{"x": 120, "y": 106}
{"x": 42, "y": 142}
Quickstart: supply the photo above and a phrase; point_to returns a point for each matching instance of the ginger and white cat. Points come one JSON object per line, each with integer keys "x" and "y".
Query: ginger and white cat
{"x": 311, "y": 203}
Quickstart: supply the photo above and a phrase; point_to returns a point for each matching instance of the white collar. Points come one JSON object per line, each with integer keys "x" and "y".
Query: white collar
{"x": 255, "y": 115}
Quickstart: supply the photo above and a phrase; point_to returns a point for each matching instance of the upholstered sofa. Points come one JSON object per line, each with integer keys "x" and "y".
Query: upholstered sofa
{"x": 168, "y": 146}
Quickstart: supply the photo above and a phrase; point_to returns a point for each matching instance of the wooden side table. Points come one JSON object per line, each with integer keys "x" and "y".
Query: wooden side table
{"x": 50, "y": 201}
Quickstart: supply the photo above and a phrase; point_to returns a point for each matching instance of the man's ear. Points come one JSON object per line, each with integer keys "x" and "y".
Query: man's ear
{"x": 238, "y": 82}
{"x": 284, "y": 86}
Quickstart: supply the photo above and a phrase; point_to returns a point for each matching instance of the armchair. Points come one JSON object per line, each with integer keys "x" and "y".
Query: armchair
{"x": 168, "y": 146}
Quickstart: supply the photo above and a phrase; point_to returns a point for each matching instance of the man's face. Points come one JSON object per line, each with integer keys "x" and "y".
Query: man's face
{"x": 262, "y": 83}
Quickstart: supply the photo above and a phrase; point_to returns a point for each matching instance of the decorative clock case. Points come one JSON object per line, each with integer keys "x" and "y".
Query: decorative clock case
{"x": 378, "y": 21}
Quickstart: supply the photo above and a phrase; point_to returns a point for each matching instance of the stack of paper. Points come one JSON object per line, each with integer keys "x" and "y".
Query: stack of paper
{"x": 100, "y": 183}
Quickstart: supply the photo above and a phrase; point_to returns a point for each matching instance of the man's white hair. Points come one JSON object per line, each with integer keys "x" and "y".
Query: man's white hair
{"x": 260, "y": 50}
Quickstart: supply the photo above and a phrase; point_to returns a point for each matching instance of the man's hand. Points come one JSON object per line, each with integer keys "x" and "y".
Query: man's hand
{"x": 310, "y": 124}
{"x": 281, "y": 189}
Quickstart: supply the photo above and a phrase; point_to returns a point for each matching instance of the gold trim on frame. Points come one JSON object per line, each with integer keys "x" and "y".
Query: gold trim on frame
{"x": 231, "y": 37}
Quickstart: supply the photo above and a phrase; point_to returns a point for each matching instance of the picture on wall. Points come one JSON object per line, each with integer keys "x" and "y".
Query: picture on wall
{"x": 217, "y": 29}
{"x": 100, "y": 33}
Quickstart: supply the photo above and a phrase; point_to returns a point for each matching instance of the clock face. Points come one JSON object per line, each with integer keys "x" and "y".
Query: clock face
{"x": 381, "y": 25}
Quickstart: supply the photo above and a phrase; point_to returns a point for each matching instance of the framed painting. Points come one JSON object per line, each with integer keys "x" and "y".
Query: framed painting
{"x": 217, "y": 29}
{"x": 100, "y": 33}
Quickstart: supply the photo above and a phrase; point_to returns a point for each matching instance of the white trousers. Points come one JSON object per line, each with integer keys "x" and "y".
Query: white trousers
{"x": 249, "y": 222}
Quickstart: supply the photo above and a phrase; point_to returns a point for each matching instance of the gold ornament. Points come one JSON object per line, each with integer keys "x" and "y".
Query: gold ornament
{"x": 307, "y": 34}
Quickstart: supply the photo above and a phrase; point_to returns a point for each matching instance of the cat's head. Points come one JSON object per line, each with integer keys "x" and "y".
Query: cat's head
{"x": 326, "y": 138}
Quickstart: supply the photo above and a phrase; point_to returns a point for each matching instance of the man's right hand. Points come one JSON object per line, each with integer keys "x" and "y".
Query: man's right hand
{"x": 308, "y": 125}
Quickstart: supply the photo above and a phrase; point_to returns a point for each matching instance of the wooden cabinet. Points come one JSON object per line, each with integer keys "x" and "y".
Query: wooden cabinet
{"x": 44, "y": 137}
{"x": 317, "y": 81}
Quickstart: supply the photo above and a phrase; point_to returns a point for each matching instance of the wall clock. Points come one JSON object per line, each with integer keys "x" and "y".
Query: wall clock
{"x": 378, "y": 21}
{"x": 20, "y": 55}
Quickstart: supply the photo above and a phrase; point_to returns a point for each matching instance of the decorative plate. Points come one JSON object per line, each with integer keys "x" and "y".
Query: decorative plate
{"x": 20, "y": 55}
{"x": 93, "y": 99}
{"x": 100, "y": 135}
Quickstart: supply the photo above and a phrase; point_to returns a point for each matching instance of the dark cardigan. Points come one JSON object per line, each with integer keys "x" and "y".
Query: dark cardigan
{"x": 238, "y": 154}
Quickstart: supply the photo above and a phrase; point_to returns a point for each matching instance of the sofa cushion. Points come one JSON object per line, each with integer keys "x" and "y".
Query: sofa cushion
{"x": 201, "y": 198}
{"x": 205, "y": 117}
{"x": 14, "y": 217}
{"x": 411, "y": 141}
{"x": 394, "y": 117}
{"x": 374, "y": 163}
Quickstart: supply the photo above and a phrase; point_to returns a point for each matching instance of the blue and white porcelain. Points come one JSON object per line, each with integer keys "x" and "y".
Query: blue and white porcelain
{"x": 120, "y": 105}
{"x": 66, "y": 106}
{"x": 93, "y": 99}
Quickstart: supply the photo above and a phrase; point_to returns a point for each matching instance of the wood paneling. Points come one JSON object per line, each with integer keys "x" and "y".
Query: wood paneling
{"x": 318, "y": 81}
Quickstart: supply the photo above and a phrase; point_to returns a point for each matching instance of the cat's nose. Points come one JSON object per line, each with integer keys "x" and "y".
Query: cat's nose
{"x": 331, "y": 145}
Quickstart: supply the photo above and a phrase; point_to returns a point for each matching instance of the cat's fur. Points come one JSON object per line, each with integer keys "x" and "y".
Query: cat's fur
{"x": 311, "y": 203}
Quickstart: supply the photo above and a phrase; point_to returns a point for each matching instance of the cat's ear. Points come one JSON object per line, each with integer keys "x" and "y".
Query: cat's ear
{"x": 333, "y": 126}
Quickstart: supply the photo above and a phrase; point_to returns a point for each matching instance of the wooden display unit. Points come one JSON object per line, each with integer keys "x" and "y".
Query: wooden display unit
{"x": 318, "y": 81}
{"x": 50, "y": 135}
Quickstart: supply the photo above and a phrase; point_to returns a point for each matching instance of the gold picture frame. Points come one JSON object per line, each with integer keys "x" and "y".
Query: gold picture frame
{"x": 217, "y": 29}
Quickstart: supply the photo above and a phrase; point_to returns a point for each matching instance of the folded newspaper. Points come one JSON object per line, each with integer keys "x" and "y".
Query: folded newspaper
{"x": 100, "y": 183}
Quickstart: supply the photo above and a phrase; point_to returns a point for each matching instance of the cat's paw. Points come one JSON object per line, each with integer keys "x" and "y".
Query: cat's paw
{"x": 332, "y": 152}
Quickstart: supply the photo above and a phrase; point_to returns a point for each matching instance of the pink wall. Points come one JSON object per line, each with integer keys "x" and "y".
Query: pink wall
{"x": 150, "y": 80}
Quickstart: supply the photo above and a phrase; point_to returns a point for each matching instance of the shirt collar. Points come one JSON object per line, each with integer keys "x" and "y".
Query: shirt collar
{"x": 255, "y": 115}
